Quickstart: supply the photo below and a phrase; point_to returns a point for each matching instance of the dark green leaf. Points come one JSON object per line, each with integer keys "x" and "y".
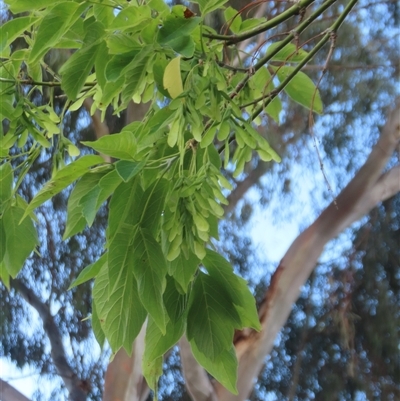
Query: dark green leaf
{"x": 21, "y": 239}
{"x": 117, "y": 63}
{"x": 184, "y": 269}
{"x": 175, "y": 302}
{"x": 123, "y": 208}
{"x": 127, "y": 169}
{"x": 175, "y": 27}
{"x": 152, "y": 205}
{"x": 75, "y": 219}
{"x": 212, "y": 317}
{"x": 222, "y": 272}
{"x": 158, "y": 344}
{"x": 76, "y": 70}
{"x": 150, "y": 268}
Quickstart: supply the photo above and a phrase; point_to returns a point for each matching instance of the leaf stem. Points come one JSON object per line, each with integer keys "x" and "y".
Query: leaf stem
{"x": 333, "y": 29}
{"x": 232, "y": 39}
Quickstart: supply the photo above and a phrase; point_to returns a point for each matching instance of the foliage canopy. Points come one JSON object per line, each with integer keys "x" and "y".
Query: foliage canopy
{"x": 166, "y": 180}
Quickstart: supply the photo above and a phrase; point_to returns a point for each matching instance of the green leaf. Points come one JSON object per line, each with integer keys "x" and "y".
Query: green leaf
{"x": 172, "y": 79}
{"x": 20, "y": 6}
{"x": 123, "y": 208}
{"x": 76, "y": 70}
{"x": 101, "y": 63}
{"x": 130, "y": 17}
{"x": 127, "y": 169}
{"x": 117, "y": 63}
{"x": 4, "y": 276}
{"x": 96, "y": 326}
{"x": 152, "y": 372}
{"x": 121, "y": 146}
{"x": 21, "y": 239}
{"x": 120, "y": 312}
{"x": 6, "y": 184}
{"x": 175, "y": 301}
{"x": 54, "y": 24}
{"x": 233, "y": 19}
{"x": 158, "y": 344}
{"x": 222, "y": 272}
{"x": 3, "y": 244}
{"x": 223, "y": 368}
{"x": 150, "y": 268}
{"x": 62, "y": 179}
{"x": 184, "y": 269}
{"x": 206, "y": 6}
{"x": 212, "y": 317}
{"x": 76, "y": 221}
{"x": 135, "y": 74}
{"x": 152, "y": 205}
{"x": 15, "y": 27}
{"x": 301, "y": 89}
{"x": 290, "y": 53}
{"x": 90, "y": 271}
{"x": 175, "y": 27}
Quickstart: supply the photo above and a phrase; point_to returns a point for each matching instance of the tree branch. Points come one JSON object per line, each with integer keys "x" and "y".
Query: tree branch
{"x": 124, "y": 379}
{"x": 365, "y": 190}
{"x": 9, "y": 393}
{"x": 196, "y": 379}
{"x": 73, "y": 384}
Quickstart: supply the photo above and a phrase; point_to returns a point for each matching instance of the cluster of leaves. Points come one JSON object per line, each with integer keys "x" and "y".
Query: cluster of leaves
{"x": 166, "y": 184}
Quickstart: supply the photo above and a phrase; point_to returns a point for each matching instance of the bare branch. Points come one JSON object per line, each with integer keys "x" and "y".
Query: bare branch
{"x": 73, "y": 384}
{"x": 196, "y": 379}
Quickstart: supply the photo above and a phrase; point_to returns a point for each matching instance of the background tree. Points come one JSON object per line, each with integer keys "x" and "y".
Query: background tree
{"x": 288, "y": 142}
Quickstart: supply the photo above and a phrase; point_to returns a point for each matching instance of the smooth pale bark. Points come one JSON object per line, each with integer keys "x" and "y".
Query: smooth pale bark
{"x": 124, "y": 379}
{"x": 9, "y": 393}
{"x": 365, "y": 191}
{"x": 197, "y": 382}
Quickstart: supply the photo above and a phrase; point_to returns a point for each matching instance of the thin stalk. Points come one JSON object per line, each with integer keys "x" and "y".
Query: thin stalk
{"x": 303, "y": 26}
{"x": 331, "y": 31}
{"x": 232, "y": 39}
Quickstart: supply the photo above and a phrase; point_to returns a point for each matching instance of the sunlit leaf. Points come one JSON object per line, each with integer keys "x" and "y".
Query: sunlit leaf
{"x": 62, "y": 179}
{"x": 301, "y": 89}
{"x": 172, "y": 78}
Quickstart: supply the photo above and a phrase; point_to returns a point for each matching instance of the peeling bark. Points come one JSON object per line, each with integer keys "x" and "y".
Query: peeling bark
{"x": 365, "y": 190}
